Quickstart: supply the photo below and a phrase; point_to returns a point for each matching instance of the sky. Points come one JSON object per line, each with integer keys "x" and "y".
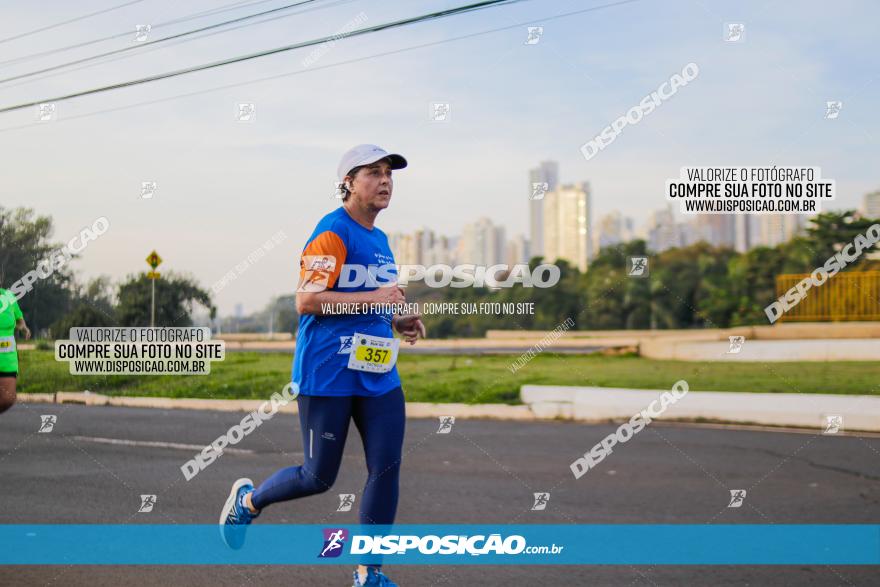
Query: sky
{"x": 224, "y": 187}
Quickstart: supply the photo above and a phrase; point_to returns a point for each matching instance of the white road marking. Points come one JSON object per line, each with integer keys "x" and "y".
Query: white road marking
{"x": 762, "y": 428}
{"x": 157, "y": 444}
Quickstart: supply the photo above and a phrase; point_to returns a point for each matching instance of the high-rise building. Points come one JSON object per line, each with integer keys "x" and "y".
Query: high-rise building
{"x": 451, "y": 248}
{"x": 424, "y": 243}
{"x": 482, "y": 243}
{"x": 423, "y": 247}
{"x": 546, "y": 173}
{"x": 662, "y": 231}
{"x": 441, "y": 252}
{"x": 746, "y": 232}
{"x": 499, "y": 245}
{"x": 404, "y": 248}
{"x": 871, "y": 207}
{"x": 775, "y": 229}
{"x": 688, "y": 234}
{"x": 612, "y": 229}
{"x": 567, "y": 225}
{"x": 719, "y": 230}
{"x": 518, "y": 250}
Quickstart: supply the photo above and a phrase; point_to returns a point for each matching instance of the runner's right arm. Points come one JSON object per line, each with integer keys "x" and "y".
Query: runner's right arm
{"x": 22, "y": 327}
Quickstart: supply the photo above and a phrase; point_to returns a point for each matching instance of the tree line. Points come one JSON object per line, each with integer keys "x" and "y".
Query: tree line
{"x": 698, "y": 286}
{"x": 687, "y": 287}
{"x": 56, "y": 302}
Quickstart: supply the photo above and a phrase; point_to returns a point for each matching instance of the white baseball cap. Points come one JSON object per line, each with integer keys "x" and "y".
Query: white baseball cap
{"x": 364, "y": 155}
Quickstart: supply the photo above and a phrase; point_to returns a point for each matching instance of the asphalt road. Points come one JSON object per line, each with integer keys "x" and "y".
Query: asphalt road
{"x": 482, "y": 472}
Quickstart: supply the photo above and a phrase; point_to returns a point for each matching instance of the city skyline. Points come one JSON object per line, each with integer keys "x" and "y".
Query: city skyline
{"x": 223, "y": 185}
{"x": 662, "y": 229}
{"x": 483, "y": 242}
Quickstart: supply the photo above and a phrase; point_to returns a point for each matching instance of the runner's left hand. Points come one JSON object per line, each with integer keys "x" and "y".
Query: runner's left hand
{"x": 411, "y": 327}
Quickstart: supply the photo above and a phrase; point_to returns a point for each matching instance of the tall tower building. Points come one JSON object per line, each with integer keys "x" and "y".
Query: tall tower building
{"x": 612, "y": 229}
{"x": 518, "y": 250}
{"x": 425, "y": 243}
{"x": 404, "y": 248}
{"x": 567, "y": 225}
{"x": 775, "y": 229}
{"x": 746, "y": 229}
{"x": 442, "y": 253}
{"x": 719, "y": 230}
{"x": 482, "y": 243}
{"x": 662, "y": 231}
{"x": 871, "y": 207}
{"x": 546, "y": 173}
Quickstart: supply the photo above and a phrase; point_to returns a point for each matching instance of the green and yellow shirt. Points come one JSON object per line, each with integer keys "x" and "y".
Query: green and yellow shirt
{"x": 10, "y": 313}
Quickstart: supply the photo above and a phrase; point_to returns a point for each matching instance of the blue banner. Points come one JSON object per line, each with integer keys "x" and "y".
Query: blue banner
{"x": 617, "y": 544}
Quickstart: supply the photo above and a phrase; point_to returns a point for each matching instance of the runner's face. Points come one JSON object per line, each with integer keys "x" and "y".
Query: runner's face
{"x": 373, "y": 185}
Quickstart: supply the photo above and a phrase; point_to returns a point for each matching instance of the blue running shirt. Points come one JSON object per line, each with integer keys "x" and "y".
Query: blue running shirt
{"x": 323, "y": 343}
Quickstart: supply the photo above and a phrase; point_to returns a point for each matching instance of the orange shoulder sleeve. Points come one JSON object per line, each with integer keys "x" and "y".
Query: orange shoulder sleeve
{"x": 321, "y": 262}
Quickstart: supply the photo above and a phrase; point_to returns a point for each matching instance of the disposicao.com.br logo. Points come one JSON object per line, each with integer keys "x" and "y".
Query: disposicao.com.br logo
{"x": 334, "y": 542}
{"x": 319, "y": 271}
{"x": 430, "y": 544}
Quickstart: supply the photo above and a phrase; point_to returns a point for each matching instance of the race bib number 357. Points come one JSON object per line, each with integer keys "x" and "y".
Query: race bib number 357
{"x": 374, "y": 354}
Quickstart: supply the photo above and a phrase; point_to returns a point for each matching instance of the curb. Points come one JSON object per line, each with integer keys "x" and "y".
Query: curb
{"x": 579, "y": 404}
{"x": 762, "y": 351}
{"x": 804, "y": 410}
{"x": 413, "y": 409}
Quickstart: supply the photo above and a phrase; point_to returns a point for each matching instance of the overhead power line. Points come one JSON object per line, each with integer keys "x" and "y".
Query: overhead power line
{"x": 175, "y": 42}
{"x": 62, "y": 23}
{"x": 128, "y": 33}
{"x": 390, "y": 25}
{"x": 320, "y": 67}
{"x": 155, "y": 41}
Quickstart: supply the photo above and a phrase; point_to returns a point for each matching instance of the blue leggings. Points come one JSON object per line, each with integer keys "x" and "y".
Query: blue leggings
{"x": 380, "y": 421}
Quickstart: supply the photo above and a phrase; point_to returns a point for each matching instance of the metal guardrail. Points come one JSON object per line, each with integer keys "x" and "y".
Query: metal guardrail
{"x": 848, "y": 296}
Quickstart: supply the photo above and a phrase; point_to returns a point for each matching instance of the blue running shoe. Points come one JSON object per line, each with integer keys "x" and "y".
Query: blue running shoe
{"x": 375, "y": 578}
{"x": 236, "y": 516}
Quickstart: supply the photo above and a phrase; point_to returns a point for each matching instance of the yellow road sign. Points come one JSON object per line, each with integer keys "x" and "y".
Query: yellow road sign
{"x": 152, "y": 275}
{"x": 154, "y": 260}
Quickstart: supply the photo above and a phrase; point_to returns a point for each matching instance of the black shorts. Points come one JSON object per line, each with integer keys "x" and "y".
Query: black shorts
{"x": 12, "y": 374}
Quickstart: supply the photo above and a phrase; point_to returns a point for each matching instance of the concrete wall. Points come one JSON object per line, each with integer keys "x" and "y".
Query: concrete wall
{"x": 764, "y": 350}
{"x": 840, "y": 341}
{"x": 776, "y": 409}
{"x": 815, "y": 330}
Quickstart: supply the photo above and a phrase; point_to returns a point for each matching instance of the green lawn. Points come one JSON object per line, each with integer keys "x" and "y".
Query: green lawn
{"x": 483, "y": 379}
